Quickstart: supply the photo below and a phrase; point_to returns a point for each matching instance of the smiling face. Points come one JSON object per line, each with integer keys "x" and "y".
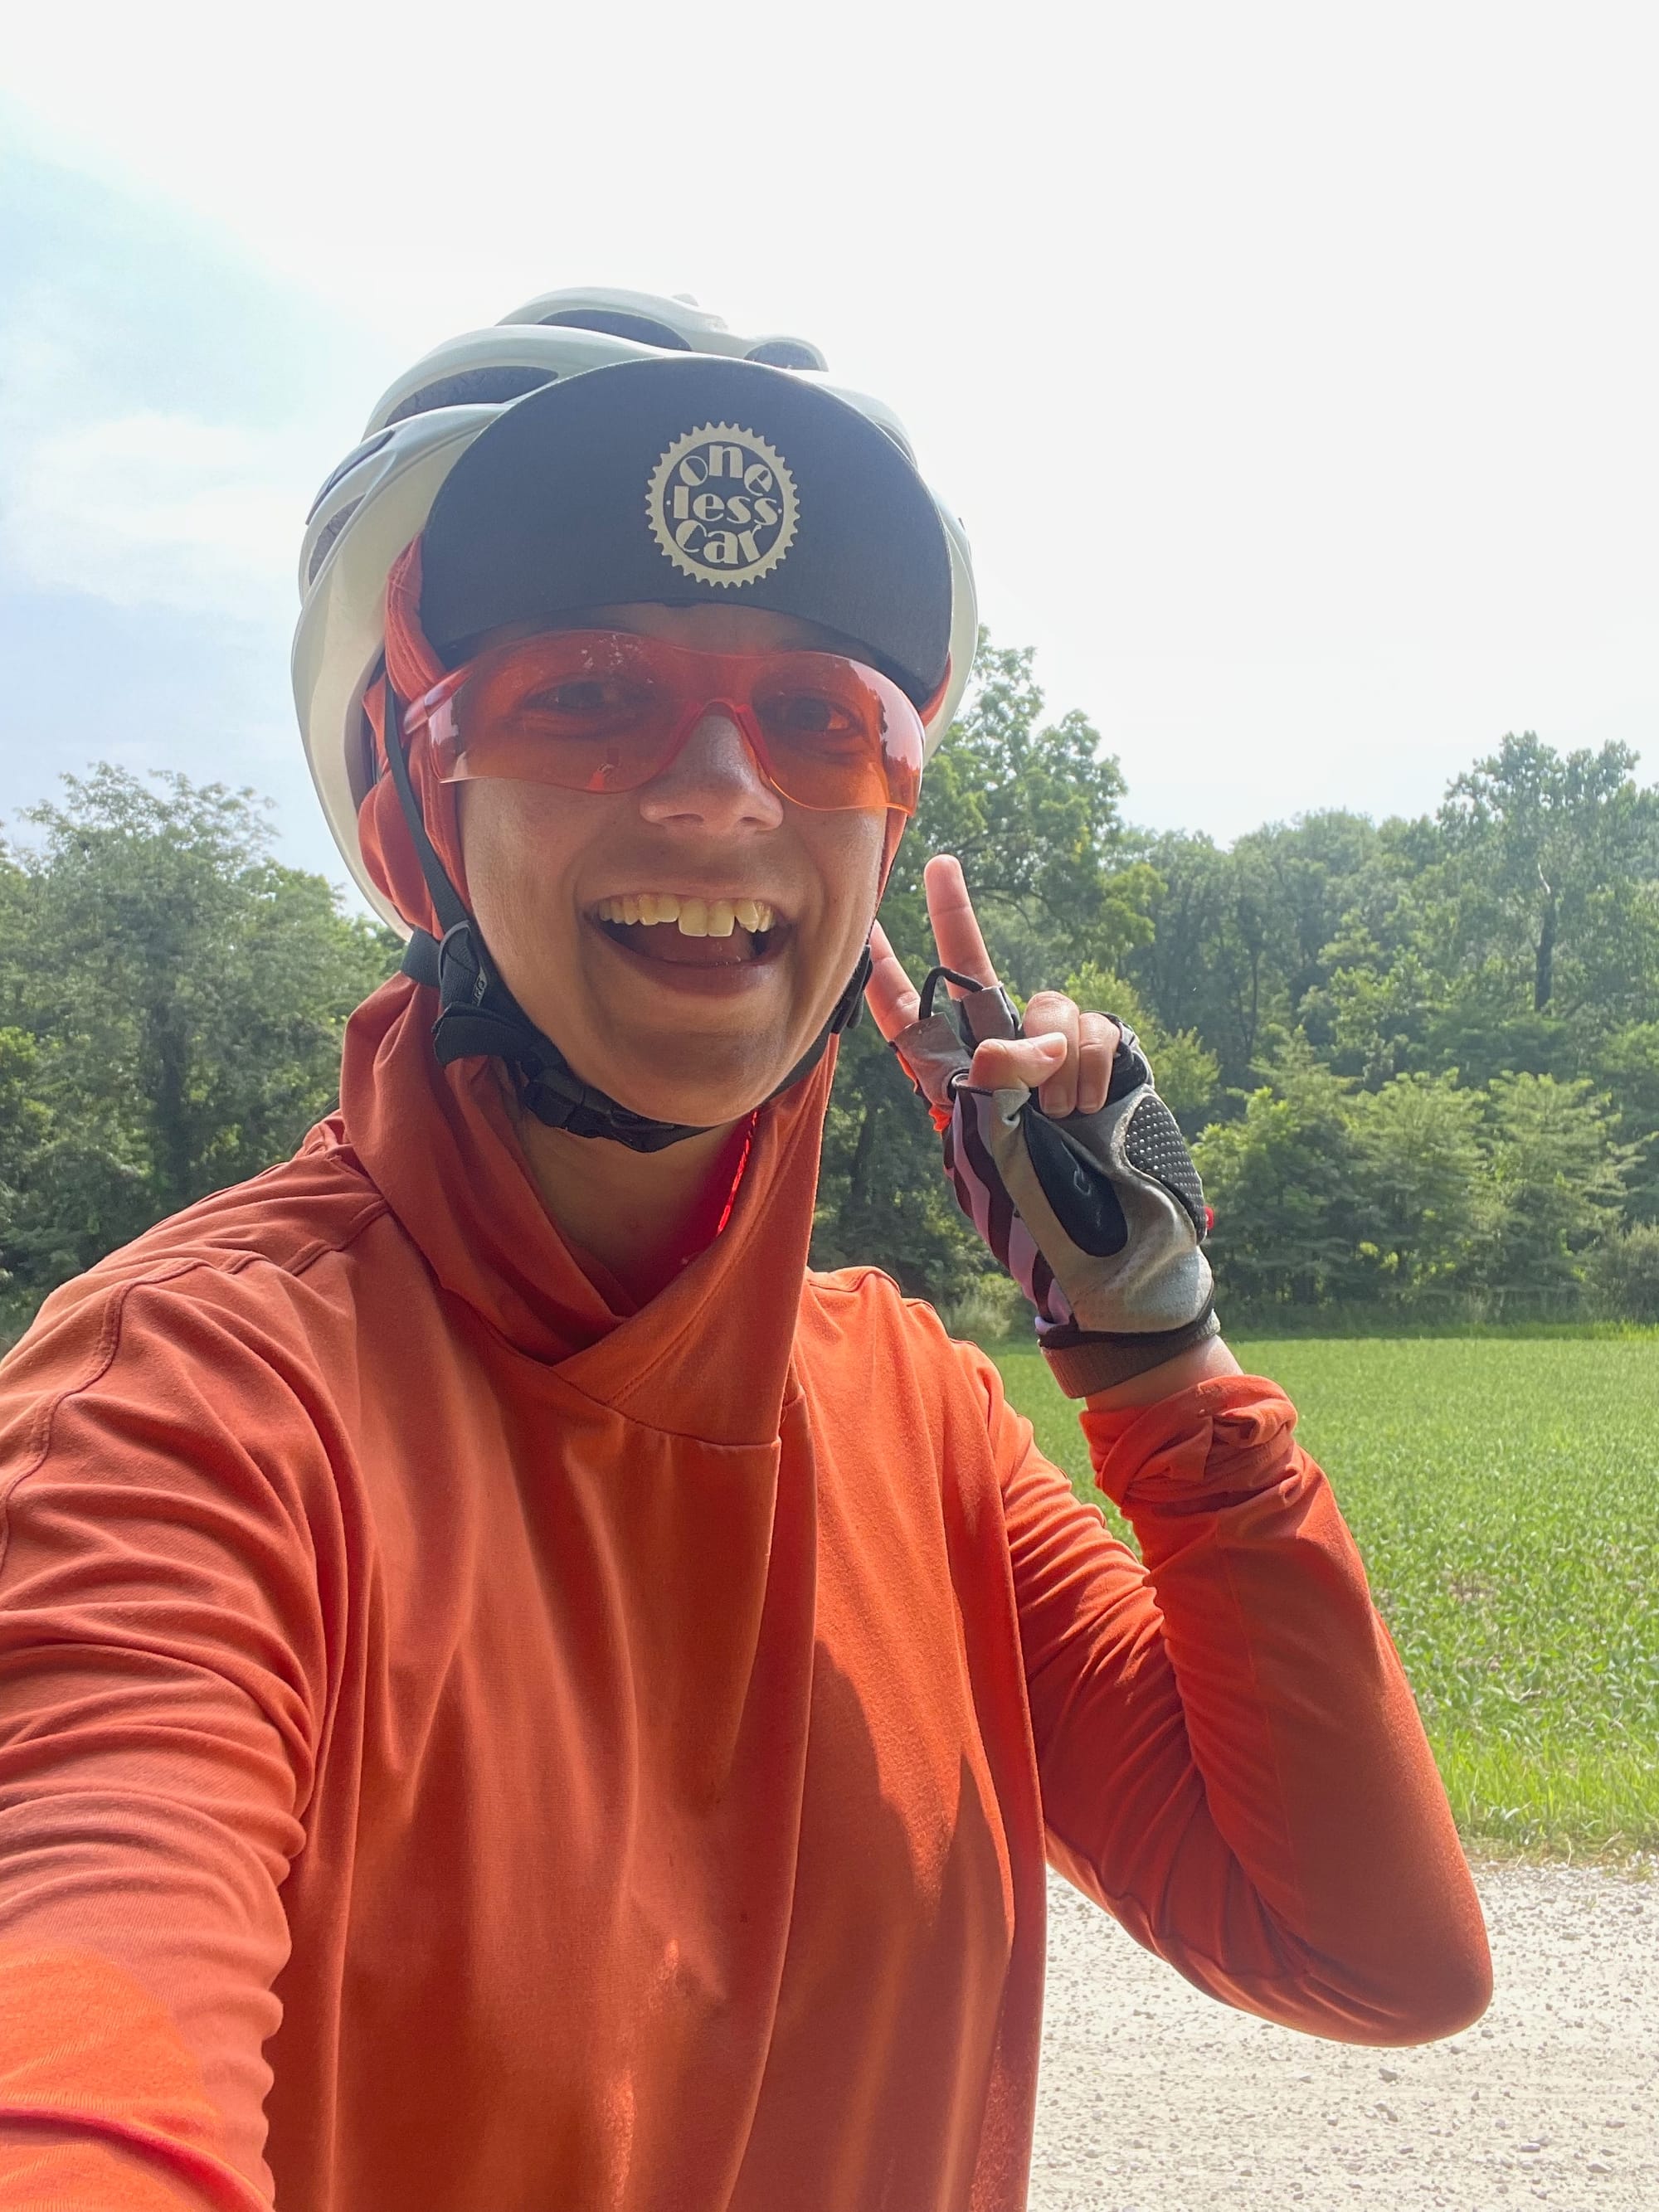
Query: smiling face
{"x": 595, "y": 905}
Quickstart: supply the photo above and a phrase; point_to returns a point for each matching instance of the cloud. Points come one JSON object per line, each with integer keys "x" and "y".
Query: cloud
{"x": 148, "y": 509}
{"x": 161, "y": 429}
{"x": 1309, "y": 464}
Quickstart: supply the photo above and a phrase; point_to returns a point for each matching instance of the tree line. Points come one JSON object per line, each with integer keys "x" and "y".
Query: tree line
{"x": 1419, "y": 1059}
{"x": 172, "y": 1000}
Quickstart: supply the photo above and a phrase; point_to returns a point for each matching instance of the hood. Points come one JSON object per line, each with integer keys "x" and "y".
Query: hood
{"x": 708, "y": 1357}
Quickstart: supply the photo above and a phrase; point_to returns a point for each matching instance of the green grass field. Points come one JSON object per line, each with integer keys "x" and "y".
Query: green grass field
{"x": 1505, "y": 1495}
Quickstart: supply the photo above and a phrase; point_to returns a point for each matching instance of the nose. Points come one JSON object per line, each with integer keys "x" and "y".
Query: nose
{"x": 713, "y": 783}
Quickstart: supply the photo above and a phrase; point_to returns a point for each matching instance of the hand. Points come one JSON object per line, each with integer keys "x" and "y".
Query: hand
{"x": 1061, "y": 1152}
{"x": 1066, "y": 1056}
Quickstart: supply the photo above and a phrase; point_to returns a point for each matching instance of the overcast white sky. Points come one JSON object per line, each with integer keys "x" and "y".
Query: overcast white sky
{"x": 1292, "y": 366}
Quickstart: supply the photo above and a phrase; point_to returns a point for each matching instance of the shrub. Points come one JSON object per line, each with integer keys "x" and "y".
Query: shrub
{"x": 1623, "y": 1276}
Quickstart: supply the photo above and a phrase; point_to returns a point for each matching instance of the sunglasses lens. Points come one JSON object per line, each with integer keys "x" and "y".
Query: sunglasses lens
{"x": 601, "y": 711}
{"x": 580, "y": 710}
{"x": 821, "y": 725}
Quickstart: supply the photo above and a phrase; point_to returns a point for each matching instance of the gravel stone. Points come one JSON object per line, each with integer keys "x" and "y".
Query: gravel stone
{"x": 1154, "y": 2096}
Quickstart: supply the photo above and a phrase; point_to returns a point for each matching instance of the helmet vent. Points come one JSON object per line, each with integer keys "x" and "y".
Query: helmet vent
{"x": 472, "y": 387}
{"x": 357, "y": 453}
{"x": 325, "y": 538}
{"x": 611, "y": 324}
{"x": 785, "y": 353}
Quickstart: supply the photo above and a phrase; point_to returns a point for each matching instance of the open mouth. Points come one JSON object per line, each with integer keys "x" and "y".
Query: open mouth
{"x": 692, "y": 932}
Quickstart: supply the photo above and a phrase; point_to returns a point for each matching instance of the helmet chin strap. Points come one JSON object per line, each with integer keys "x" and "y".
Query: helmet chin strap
{"x": 478, "y": 1016}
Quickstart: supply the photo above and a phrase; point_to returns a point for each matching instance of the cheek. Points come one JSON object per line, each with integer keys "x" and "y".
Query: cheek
{"x": 847, "y": 851}
{"x": 513, "y": 837}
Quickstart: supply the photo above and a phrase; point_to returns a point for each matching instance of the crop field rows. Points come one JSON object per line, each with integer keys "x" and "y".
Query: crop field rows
{"x": 1505, "y": 1495}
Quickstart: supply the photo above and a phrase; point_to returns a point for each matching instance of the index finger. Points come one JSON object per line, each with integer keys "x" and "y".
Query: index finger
{"x": 955, "y": 930}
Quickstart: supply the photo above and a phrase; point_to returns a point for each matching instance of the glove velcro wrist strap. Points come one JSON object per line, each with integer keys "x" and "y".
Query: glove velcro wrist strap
{"x": 1089, "y": 1362}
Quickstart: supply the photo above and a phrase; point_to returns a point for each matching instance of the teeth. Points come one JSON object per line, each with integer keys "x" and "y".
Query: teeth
{"x": 696, "y": 917}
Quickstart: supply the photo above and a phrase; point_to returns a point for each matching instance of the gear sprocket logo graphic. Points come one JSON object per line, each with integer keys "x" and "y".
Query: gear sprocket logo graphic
{"x": 722, "y": 505}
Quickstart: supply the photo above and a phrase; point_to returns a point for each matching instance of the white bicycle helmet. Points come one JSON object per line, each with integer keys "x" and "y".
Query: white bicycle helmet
{"x": 379, "y": 497}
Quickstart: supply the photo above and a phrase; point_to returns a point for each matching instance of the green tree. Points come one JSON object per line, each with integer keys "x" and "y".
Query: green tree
{"x": 883, "y": 1198}
{"x": 1306, "y": 875}
{"x": 1551, "y": 848}
{"x": 1374, "y": 1014}
{"x": 1622, "y": 1274}
{"x": 1285, "y": 1182}
{"x": 1032, "y": 810}
{"x": 1559, "y": 1173}
{"x": 1508, "y": 933}
{"x": 1210, "y": 966}
{"x": 1626, "y": 1065}
{"x": 25, "y": 1131}
{"x": 181, "y": 996}
{"x": 1423, "y": 1176}
{"x": 1186, "y": 1073}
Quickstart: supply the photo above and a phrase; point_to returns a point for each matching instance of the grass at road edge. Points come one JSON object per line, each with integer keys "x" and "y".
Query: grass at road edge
{"x": 1505, "y": 1495}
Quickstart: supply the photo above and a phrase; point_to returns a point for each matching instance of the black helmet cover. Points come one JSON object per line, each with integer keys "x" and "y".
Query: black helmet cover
{"x": 692, "y": 481}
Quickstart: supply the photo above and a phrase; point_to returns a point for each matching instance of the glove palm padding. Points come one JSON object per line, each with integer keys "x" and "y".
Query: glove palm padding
{"x": 1100, "y": 1217}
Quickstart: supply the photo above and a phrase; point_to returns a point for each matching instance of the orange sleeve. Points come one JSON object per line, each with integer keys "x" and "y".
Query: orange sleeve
{"x": 162, "y": 1642}
{"x": 1230, "y": 1758}
{"x": 104, "y": 2110}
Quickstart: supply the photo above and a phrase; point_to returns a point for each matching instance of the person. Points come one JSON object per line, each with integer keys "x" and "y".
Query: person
{"x": 514, "y": 1690}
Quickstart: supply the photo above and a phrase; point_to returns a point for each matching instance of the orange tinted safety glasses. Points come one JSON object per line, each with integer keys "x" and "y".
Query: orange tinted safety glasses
{"x": 607, "y": 710}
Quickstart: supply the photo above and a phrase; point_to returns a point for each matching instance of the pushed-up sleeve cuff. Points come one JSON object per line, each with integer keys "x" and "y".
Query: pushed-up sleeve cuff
{"x": 1231, "y": 1436}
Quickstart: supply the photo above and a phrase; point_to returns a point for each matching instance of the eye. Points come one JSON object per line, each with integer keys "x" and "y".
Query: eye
{"x": 808, "y": 714}
{"x": 585, "y": 700}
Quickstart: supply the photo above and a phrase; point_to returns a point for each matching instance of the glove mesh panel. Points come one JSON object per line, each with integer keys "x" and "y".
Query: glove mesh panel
{"x": 1153, "y": 1143}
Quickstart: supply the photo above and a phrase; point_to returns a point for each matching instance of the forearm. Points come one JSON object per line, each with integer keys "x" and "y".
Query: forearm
{"x": 1203, "y": 1363}
{"x": 1295, "y": 1711}
{"x": 1228, "y": 1748}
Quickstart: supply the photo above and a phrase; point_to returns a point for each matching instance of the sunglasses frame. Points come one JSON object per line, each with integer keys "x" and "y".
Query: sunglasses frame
{"x": 439, "y": 709}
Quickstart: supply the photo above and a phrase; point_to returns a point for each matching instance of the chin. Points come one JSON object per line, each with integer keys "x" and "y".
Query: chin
{"x": 702, "y": 1099}
{"x": 685, "y": 1053}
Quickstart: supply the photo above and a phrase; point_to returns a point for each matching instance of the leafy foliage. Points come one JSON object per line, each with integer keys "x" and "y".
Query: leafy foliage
{"x": 1421, "y": 1057}
{"x": 1413, "y": 1194}
{"x": 1420, "y": 1060}
{"x": 1284, "y": 1182}
{"x": 1552, "y": 859}
{"x": 1436, "y": 1040}
{"x": 1032, "y": 810}
{"x": 171, "y": 1005}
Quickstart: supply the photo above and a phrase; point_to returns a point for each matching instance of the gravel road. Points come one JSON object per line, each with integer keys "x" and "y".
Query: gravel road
{"x": 1154, "y": 2099}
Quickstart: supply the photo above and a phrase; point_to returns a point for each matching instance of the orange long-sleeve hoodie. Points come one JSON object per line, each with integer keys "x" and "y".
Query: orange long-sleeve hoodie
{"x": 466, "y": 1750}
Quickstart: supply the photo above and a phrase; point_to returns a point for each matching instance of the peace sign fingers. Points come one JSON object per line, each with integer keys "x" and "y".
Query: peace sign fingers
{"x": 889, "y": 994}
{"x": 891, "y": 997}
{"x": 1064, "y": 1055}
